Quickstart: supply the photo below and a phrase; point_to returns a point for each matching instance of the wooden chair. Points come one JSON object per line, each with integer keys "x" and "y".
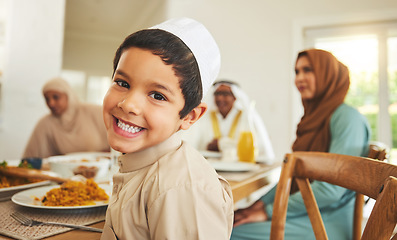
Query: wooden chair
{"x": 377, "y": 151}
{"x": 372, "y": 178}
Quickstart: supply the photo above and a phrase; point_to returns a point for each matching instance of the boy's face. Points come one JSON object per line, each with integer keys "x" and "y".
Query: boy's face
{"x": 141, "y": 107}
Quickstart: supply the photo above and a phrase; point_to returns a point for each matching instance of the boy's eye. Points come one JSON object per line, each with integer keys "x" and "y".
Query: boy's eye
{"x": 122, "y": 83}
{"x": 158, "y": 96}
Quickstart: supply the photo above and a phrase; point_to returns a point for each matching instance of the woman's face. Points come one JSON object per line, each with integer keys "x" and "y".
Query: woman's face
{"x": 56, "y": 101}
{"x": 305, "y": 79}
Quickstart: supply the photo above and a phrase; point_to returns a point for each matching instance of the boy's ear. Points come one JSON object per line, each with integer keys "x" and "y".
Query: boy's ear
{"x": 193, "y": 116}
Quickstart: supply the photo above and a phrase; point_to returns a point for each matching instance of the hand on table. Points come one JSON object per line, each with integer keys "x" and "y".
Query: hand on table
{"x": 213, "y": 145}
{"x": 255, "y": 213}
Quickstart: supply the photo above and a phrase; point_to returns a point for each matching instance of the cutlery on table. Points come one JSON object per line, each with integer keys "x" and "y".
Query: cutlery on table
{"x": 30, "y": 222}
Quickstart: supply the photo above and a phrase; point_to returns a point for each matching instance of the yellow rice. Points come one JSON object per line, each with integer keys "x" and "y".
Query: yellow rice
{"x": 74, "y": 193}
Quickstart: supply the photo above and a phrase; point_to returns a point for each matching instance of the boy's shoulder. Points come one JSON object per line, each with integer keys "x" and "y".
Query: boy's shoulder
{"x": 186, "y": 165}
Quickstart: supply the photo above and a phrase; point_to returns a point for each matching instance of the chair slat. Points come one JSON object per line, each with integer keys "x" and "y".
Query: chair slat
{"x": 377, "y": 151}
{"x": 358, "y": 216}
{"x": 278, "y": 220}
{"x": 375, "y": 179}
{"x": 312, "y": 208}
{"x": 383, "y": 218}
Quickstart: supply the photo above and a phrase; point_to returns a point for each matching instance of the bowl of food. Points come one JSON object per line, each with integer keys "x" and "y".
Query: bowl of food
{"x": 90, "y": 166}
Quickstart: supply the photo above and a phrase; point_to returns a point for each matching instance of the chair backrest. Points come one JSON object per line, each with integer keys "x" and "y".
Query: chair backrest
{"x": 372, "y": 178}
{"x": 377, "y": 151}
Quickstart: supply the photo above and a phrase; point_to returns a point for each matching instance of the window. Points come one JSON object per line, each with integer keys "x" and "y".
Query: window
{"x": 88, "y": 88}
{"x": 370, "y": 53}
{"x": 97, "y": 88}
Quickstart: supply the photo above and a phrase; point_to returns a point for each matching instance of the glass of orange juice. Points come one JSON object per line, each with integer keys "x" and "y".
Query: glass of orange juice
{"x": 245, "y": 147}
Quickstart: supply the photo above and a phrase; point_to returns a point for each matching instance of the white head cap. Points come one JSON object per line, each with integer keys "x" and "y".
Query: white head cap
{"x": 201, "y": 43}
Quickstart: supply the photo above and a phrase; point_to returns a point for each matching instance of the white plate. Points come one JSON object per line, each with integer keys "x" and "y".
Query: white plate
{"x": 26, "y": 198}
{"x": 9, "y": 191}
{"x": 211, "y": 154}
{"x": 232, "y": 166}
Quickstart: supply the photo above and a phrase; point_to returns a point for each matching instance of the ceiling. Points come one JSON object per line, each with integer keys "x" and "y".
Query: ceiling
{"x": 114, "y": 18}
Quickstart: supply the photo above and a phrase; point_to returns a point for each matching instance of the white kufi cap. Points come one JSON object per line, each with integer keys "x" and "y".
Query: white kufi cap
{"x": 201, "y": 43}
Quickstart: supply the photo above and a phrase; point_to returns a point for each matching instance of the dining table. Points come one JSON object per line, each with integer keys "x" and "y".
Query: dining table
{"x": 243, "y": 184}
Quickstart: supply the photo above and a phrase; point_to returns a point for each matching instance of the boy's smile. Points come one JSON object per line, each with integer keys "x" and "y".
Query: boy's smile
{"x": 141, "y": 107}
{"x": 126, "y": 129}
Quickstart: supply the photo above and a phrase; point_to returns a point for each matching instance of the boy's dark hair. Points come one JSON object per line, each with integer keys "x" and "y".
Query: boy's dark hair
{"x": 173, "y": 51}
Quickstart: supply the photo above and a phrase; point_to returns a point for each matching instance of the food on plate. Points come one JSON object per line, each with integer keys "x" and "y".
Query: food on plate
{"x": 90, "y": 167}
{"x": 11, "y": 181}
{"x": 85, "y": 160}
{"x": 30, "y": 174}
{"x": 88, "y": 172}
{"x": 75, "y": 193}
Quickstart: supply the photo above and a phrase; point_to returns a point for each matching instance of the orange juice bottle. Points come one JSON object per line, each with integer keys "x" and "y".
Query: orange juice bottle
{"x": 245, "y": 147}
{"x": 246, "y": 143}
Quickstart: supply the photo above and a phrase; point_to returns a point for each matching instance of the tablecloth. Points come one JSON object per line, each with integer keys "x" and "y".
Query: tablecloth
{"x": 11, "y": 228}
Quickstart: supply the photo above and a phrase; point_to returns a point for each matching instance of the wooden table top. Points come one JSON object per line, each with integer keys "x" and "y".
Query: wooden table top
{"x": 265, "y": 175}
{"x": 245, "y": 184}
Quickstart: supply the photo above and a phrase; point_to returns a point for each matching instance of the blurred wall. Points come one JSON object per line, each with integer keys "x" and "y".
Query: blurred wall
{"x": 93, "y": 53}
{"x": 258, "y": 39}
{"x": 34, "y": 39}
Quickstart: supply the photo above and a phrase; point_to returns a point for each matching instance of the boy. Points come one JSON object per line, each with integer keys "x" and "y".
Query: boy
{"x": 165, "y": 189}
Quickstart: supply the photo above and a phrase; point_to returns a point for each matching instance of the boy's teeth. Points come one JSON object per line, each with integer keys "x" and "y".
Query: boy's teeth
{"x": 128, "y": 128}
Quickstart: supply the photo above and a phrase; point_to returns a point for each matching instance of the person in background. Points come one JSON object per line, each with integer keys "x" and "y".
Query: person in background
{"x": 328, "y": 125}
{"x": 165, "y": 189}
{"x": 71, "y": 126}
{"x": 228, "y": 115}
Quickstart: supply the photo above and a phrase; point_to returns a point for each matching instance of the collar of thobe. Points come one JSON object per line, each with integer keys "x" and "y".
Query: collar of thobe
{"x": 215, "y": 124}
{"x": 137, "y": 160}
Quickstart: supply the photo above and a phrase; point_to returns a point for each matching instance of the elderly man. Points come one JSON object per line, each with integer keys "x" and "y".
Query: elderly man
{"x": 228, "y": 114}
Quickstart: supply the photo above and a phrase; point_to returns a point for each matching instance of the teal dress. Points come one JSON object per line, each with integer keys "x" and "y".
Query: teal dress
{"x": 350, "y": 134}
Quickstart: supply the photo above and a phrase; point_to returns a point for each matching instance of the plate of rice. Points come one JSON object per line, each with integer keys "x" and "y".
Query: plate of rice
{"x": 9, "y": 185}
{"x": 69, "y": 195}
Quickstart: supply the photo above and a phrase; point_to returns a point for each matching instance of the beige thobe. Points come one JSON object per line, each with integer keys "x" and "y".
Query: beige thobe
{"x": 84, "y": 132}
{"x": 168, "y": 191}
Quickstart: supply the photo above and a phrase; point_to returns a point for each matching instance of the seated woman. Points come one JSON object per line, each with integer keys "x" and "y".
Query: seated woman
{"x": 228, "y": 114}
{"x": 70, "y": 127}
{"x": 328, "y": 125}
